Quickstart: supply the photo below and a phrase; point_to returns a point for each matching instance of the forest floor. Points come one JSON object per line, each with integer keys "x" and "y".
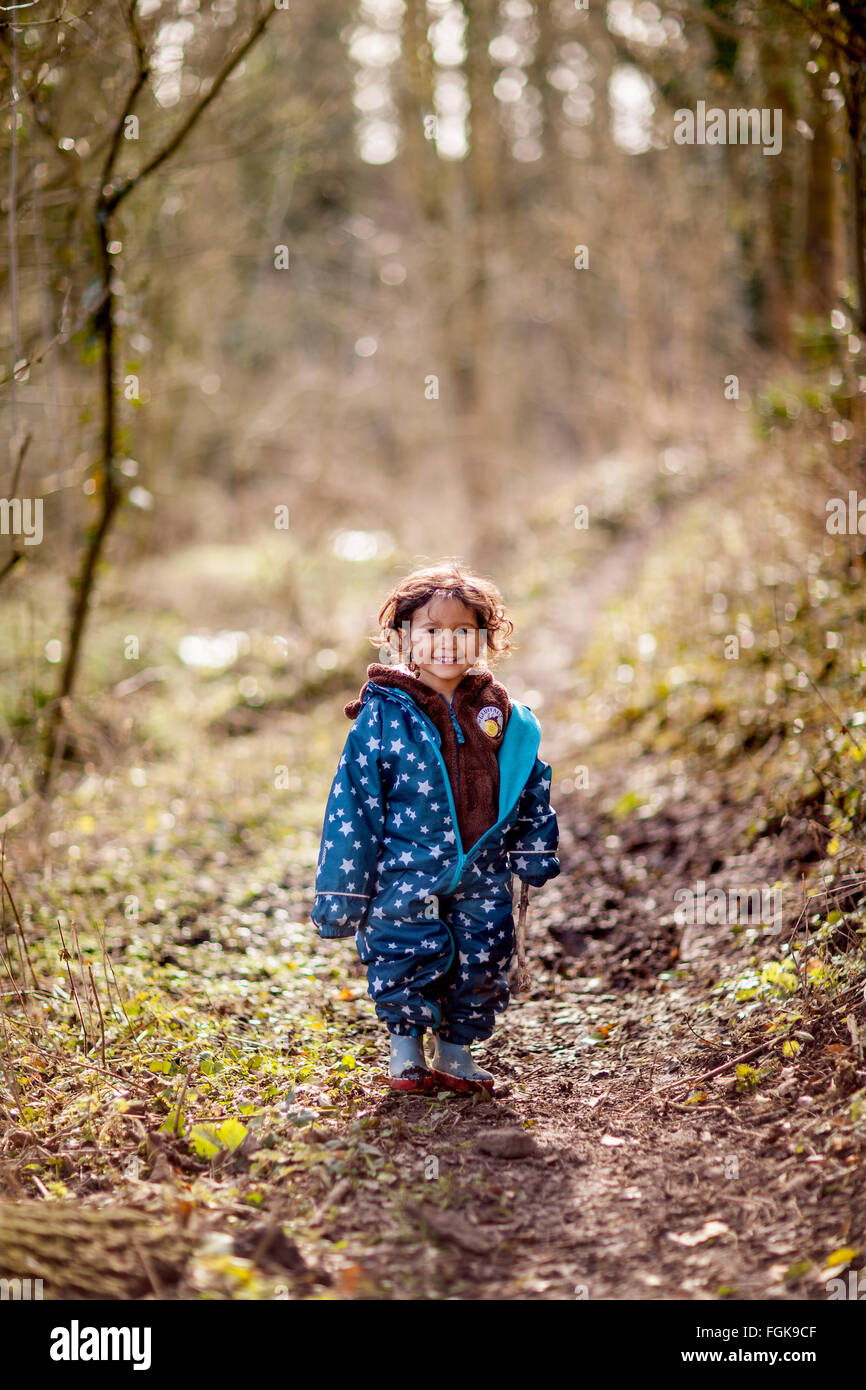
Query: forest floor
{"x": 607, "y": 1164}
{"x": 679, "y": 1112}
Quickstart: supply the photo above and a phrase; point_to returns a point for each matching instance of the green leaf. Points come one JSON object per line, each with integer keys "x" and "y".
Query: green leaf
{"x": 231, "y": 1133}
{"x": 205, "y": 1140}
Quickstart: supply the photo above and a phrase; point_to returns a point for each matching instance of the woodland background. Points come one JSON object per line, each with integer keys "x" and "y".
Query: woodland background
{"x": 291, "y": 303}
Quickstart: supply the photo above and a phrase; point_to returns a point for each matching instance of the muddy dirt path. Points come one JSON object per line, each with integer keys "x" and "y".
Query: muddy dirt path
{"x": 583, "y": 1177}
{"x": 600, "y": 1168}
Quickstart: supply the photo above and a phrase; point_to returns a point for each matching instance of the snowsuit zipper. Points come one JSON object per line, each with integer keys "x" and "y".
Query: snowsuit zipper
{"x": 461, "y": 738}
{"x": 462, "y": 856}
{"x": 408, "y": 702}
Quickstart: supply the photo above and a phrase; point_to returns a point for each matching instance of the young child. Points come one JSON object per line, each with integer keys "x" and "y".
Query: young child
{"x": 438, "y": 800}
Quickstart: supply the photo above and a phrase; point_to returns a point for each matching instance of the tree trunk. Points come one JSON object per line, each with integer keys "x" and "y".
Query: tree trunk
{"x": 778, "y": 198}
{"x": 819, "y": 237}
{"x": 84, "y": 1252}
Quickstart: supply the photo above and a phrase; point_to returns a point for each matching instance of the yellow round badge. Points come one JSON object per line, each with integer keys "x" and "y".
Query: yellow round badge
{"x": 490, "y": 720}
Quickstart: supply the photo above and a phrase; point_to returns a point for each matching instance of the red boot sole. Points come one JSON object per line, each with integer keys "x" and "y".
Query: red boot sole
{"x": 460, "y": 1083}
{"x": 410, "y": 1083}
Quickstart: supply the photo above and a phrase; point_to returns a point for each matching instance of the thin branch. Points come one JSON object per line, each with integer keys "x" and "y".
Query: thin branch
{"x": 141, "y": 76}
{"x": 831, "y": 35}
{"x": 17, "y": 554}
{"x": 33, "y": 23}
{"x": 60, "y": 337}
{"x": 838, "y": 717}
{"x": 13, "y": 560}
{"x": 107, "y": 202}
{"x": 111, "y": 200}
{"x": 22, "y": 453}
{"x": 725, "y": 27}
{"x": 14, "y": 443}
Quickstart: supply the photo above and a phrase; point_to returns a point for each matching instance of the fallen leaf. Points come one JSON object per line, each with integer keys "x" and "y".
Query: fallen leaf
{"x": 350, "y": 1279}
{"x": 449, "y": 1225}
{"x": 843, "y": 1256}
{"x": 707, "y": 1232}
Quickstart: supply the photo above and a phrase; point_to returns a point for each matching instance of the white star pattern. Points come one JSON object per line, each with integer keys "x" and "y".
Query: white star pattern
{"x": 406, "y": 855}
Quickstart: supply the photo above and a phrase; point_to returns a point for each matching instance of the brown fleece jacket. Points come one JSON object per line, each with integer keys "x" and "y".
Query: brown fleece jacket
{"x": 473, "y": 766}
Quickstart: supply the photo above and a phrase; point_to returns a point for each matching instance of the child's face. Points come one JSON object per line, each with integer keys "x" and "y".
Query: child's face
{"x": 444, "y": 639}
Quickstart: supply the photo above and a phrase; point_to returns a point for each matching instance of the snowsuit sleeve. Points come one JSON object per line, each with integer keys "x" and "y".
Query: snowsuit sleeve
{"x": 533, "y": 840}
{"x": 353, "y": 831}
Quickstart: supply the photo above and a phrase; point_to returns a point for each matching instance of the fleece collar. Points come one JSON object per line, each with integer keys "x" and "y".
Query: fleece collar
{"x": 472, "y": 760}
{"x": 477, "y": 688}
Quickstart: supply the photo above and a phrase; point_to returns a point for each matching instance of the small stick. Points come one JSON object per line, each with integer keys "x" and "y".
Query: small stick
{"x": 106, "y": 1071}
{"x": 8, "y": 969}
{"x": 691, "y": 1081}
{"x": 100, "y": 936}
{"x": 3, "y": 894}
{"x": 108, "y": 965}
{"x": 266, "y": 1239}
{"x": 66, "y": 957}
{"x": 84, "y": 990}
{"x": 523, "y": 980}
{"x": 146, "y": 1266}
{"x": 99, "y": 1011}
{"x": 25, "y": 955}
{"x": 181, "y": 1101}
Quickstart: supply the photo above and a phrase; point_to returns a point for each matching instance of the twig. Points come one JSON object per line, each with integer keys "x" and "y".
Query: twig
{"x": 84, "y": 988}
{"x": 124, "y": 1080}
{"x": 110, "y": 200}
{"x": 335, "y": 1196}
{"x": 522, "y": 981}
{"x": 25, "y": 955}
{"x": 146, "y": 1266}
{"x": 735, "y": 1061}
{"x": 704, "y": 1076}
{"x": 181, "y": 1101}
{"x": 106, "y": 963}
{"x": 18, "y": 813}
{"x": 271, "y": 1230}
{"x": 99, "y": 1010}
{"x": 838, "y": 717}
{"x": 14, "y": 983}
{"x": 66, "y": 958}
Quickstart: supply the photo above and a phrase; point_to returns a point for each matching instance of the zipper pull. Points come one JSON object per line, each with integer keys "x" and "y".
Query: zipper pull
{"x": 461, "y": 738}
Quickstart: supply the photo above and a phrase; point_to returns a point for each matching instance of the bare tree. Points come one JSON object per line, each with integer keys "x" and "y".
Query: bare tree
{"x": 111, "y": 194}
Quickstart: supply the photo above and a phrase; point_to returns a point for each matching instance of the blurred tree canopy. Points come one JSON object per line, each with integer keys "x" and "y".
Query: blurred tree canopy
{"x": 361, "y": 254}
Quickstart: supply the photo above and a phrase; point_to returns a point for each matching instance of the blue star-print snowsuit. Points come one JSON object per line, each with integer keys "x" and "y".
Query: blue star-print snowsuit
{"x": 432, "y": 919}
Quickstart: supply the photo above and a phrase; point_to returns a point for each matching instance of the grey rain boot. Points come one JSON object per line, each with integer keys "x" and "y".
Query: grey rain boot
{"x": 453, "y": 1065}
{"x": 408, "y": 1069}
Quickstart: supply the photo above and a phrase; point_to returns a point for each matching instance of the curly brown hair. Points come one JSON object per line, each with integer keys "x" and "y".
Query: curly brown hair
{"x": 447, "y": 579}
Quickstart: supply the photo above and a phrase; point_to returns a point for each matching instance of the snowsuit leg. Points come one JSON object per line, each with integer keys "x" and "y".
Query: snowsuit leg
{"x": 476, "y": 989}
{"x": 406, "y": 957}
